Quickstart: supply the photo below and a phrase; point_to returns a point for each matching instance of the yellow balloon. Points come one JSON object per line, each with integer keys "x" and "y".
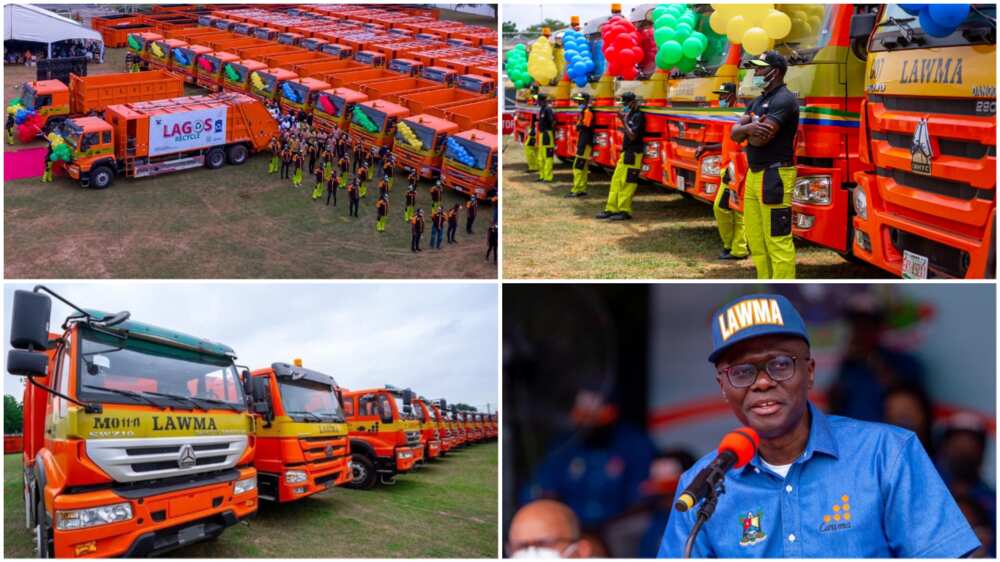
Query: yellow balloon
{"x": 815, "y": 23}
{"x": 755, "y": 13}
{"x": 736, "y": 28}
{"x": 777, "y": 24}
{"x": 755, "y": 41}
{"x": 718, "y": 22}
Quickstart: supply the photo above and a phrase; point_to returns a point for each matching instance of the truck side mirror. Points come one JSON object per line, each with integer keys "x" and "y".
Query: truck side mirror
{"x": 29, "y": 325}
{"x": 261, "y": 392}
{"x": 407, "y": 397}
{"x": 862, "y": 25}
{"x": 27, "y": 363}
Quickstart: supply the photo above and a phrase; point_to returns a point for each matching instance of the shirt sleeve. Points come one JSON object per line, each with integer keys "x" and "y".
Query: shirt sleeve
{"x": 920, "y": 516}
{"x": 783, "y": 109}
{"x": 679, "y": 527}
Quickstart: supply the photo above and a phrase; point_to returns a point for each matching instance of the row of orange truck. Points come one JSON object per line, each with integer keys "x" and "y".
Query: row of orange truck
{"x": 896, "y": 166}
{"x": 405, "y": 93}
{"x": 140, "y": 439}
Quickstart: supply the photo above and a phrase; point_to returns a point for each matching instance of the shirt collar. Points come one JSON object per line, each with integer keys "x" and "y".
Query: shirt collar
{"x": 821, "y": 439}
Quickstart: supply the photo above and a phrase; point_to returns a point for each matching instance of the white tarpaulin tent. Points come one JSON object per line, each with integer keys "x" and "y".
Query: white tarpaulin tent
{"x": 23, "y": 22}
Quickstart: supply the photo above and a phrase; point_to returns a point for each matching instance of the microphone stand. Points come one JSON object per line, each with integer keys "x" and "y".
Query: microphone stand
{"x": 704, "y": 513}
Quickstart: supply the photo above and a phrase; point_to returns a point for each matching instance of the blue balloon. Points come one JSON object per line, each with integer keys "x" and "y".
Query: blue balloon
{"x": 932, "y": 27}
{"x": 948, "y": 15}
{"x": 913, "y": 9}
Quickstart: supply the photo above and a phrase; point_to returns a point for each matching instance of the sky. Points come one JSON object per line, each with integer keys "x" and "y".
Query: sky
{"x": 438, "y": 338}
{"x": 528, "y": 14}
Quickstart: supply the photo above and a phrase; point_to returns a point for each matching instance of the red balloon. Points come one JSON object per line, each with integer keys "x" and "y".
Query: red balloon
{"x": 611, "y": 54}
{"x": 625, "y": 55}
{"x": 630, "y": 73}
{"x": 26, "y": 133}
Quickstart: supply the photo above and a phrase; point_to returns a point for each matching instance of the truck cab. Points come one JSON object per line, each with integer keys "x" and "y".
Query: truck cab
{"x": 420, "y": 143}
{"x": 91, "y": 140}
{"x": 408, "y": 67}
{"x": 430, "y": 434}
{"x": 299, "y": 94}
{"x": 209, "y": 71}
{"x": 265, "y": 84}
{"x": 374, "y": 122}
{"x": 302, "y": 437}
{"x": 48, "y": 98}
{"x": 236, "y": 74}
{"x": 470, "y": 164}
{"x": 160, "y": 53}
{"x": 184, "y": 61}
{"x": 138, "y": 45}
{"x": 333, "y": 108}
{"x": 439, "y": 74}
{"x": 439, "y": 409}
{"x": 384, "y": 435}
{"x": 927, "y": 206}
{"x": 137, "y": 437}
{"x": 476, "y": 83}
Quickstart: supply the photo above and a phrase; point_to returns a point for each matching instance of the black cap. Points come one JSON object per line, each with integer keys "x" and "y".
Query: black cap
{"x": 582, "y": 96}
{"x": 628, "y": 97}
{"x": 769, "y": 58}
{"x": 541, "y": 97}
{"x": 725, "y": 89}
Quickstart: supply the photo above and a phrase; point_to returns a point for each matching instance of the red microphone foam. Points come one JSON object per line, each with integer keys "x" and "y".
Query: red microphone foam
{"x": 741, "y": 442}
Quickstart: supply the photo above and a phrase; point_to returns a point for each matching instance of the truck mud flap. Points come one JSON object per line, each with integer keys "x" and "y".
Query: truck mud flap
{"x": 165, "y": 540}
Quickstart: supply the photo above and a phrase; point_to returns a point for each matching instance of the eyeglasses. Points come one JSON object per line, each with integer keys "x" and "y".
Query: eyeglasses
{"x": 779, "y": 368}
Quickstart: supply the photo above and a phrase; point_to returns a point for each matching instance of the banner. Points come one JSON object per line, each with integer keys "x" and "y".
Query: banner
{"x": 190, "y": 130}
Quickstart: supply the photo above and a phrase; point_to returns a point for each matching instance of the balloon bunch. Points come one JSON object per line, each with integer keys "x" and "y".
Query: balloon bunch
{"x": 60, "y": 150}
{"x": 516, "y": 60}
{"x": 157, "y": 51}
{"x": 205, "y": 64}
{"x": 458, "y": 153}
{"x": 326, "y": 105}
{"x": 622, "y": 47}
{"x": 597, "y": 55}
{"x": 938, "y": 20}
{"x": 755, "y": 26}
{"x": 29, "y": 123}
{"x": 258, "y": 82}
{"x": 541, "y": 61}
{"x": 361, "y": 118}
{"x": 231, "y": 73}
{"x": 410, "y": 137}
{"x": 290, "y": 94}
{"x": 181, "y": 57}
{"x": 134, "y": 43}
{"x": 679, "y": 43}
{"x": 576, "y": 51}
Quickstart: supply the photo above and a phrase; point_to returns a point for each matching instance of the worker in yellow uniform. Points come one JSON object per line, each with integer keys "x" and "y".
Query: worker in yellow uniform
{"x": 626, "y": 176}
{"x": 732, "y": 169}
{"x": 769, "y": 126}
{"x": 531, "y": 139}
{"x": 584, "y": 146}
{"x": 546, "y": 138}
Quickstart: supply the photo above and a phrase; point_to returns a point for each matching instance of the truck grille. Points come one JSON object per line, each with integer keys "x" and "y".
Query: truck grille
{"x": 132, "y": 460}
{"x": 413, "y": 438}
{"x": 324, "y": 449}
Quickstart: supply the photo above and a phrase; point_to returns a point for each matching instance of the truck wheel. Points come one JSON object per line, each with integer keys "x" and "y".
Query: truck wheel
{"x": 363, "y": 473}
{"x": 101, "y": 177}
{"x": 215, "y": 158}
{"x": 237, "y": 154}
{"x": 43, "y": 535}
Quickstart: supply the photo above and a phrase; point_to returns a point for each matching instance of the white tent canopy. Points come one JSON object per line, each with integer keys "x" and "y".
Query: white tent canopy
{"x": 24, "y": 22}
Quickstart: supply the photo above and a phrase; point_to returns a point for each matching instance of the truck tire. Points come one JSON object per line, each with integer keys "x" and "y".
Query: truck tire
{"x": 237, "y": 154}
{"x": 363, "y": 473}
{"x": 101, "y": 177}
{"x": 43, "y": 535}
{"x": 215, "y": 158}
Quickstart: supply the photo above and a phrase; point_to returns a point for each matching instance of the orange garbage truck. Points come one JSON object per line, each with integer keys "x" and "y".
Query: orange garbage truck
{"x": 374, "y": 122}
{"x": 927, "y": 208}
{"x": 156, "y": 137}
{"x": 385, "y": 435}
{"x": 54, "y": 101}
{"x": 430, "y": 433}
{"x": 299, "y": 94}
{"x": 302, "y": 438}
{"x": 137, "y": 438}
{"x": 470, "y": 163}
{"x": 333, "y": 108}
{"x": 209, "y": 69}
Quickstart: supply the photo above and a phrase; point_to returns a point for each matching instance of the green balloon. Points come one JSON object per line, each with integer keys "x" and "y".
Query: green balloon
{"x": 686, "y": 65}
{"x": 672, "y": 52}
{"x": 676, "y": 9}
{"x": 666, "y": 20}
{"x": 692, "y": 48}
{"x": 663, "y": 34}
{"x": 13, "y": 102}
{"x": 682, "y": 32}
{"x": 659, "y": 11}
{"x": 690, "y": 18}
{"x": 700, "y": 37}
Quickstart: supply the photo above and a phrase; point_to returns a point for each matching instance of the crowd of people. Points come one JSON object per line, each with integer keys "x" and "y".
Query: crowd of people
{"x": 333, "y": 161}
{"x": 18, "y": 52}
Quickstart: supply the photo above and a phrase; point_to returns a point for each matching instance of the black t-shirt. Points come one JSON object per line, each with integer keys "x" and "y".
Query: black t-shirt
{"x": 637, "y": 122}
{"x": 585, "y": 132}
{"x": 546, "y": 119}
{"x": 780, "y": 105}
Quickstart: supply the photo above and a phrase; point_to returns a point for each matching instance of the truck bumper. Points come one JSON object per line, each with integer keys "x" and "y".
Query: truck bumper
{"x": 433, "y": 449}
{"x": 159, "y": 522}
{"x": 316, "y": 480}
{"x": 406, "y": 458}
{"x": 824, "y": 225}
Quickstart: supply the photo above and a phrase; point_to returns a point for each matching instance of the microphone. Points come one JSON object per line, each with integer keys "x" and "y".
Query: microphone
{"x": 735, "y": 451}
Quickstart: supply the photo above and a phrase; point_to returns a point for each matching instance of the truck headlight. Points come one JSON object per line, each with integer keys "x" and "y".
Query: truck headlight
{"x": 406, "y": 455}
{"x": 812, "y": 189}
{"x": 710, "y": 166}
{"x": 245, "y": 485}
{"x": 860, "y": 202}
{"x": 711, "y": 188}
{"x": 92, "y": 517}
{"x": 295, "y": 476}
{"x": 560, "y": 134}
{"x": 652, "y": 149}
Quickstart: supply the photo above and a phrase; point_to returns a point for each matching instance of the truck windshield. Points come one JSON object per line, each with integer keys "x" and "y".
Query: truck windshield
{"x": 269, "y": 81}
{"x": 336, "y": 101}
{"x": 71, "y": 133}
{"x": 424, "y": 134}
{"x": 480, "y": 154}
{"x": 214, "y": 62}
{"x": 27, "y": 95}
{"x": 318, "y": 400}
{"x": 403, "y": 412}
{"x": 240, "y": 70}
{"x": 189, "y": 56}
{"x": 810, "y": 32}
{"x": 137, "y": 371}
{"x": 301, "y": 92}
{"x": 895, "y": 22}
{"x": 377, "y": 117}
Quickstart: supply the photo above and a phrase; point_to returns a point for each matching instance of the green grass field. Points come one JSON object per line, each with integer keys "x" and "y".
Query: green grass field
{"x": 446, "y": 509}
{"x": 670, "y": 236}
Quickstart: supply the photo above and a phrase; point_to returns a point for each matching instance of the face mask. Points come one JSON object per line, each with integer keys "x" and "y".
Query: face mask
{"x": 543, "y": 552}
{"x": 761, "y": 81}
{"x": 723, "y": 103}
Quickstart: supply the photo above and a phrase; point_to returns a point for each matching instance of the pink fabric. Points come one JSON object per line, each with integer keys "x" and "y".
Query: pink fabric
{"x": 24, "y": 163}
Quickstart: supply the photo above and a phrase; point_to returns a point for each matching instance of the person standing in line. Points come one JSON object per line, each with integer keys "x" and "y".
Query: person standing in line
{"x": 417, "y": 230}
{"x": 471, "y": 206}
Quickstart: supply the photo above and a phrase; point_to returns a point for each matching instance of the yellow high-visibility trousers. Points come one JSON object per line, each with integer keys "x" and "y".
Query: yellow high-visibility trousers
{"x": 730, "y": 223}
{"x": 581, "y": 170}
{"x": 531, "y": 152}
{"x": 546, "y": 155}
{"x": 769, "y": 226}
{"x": 623, "y": 184}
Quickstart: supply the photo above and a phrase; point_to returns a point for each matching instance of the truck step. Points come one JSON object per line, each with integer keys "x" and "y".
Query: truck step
{"x": 156, "y": 168}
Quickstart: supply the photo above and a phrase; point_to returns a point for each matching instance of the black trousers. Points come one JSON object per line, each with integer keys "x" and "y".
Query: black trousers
{"x": 491, "y": 248}
{"x": 468, "y": 223}
{"x": 331, "y": 191}
{"x": 352, "y": 210}
{"x": 451, "y": 232}
{"x": 284, "y": 170}
{"x": 414, "y": 242}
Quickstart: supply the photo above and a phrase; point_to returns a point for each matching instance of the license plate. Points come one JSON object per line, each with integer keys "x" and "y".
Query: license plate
{"x": 914, "y": 265}
{"x": 680, "y": 182}
{"x": 192, "y": 533}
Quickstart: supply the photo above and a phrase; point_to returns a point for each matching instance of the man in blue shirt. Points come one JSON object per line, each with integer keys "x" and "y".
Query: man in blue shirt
{"x": 819, "y": 486}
